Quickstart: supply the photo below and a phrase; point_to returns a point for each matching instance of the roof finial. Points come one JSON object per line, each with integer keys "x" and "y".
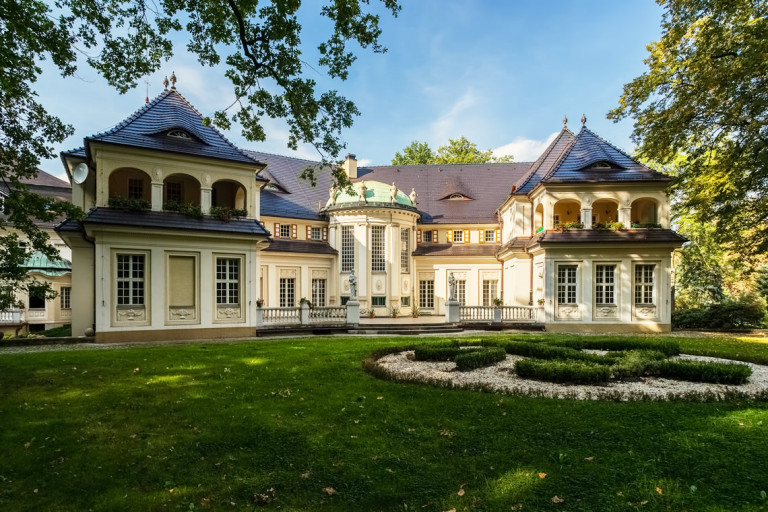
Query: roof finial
{"x": 165, "y": 83}
{"x": 565, "y": 121}
{"x": 173, "y": 80}
{"x": 583, "y": 120}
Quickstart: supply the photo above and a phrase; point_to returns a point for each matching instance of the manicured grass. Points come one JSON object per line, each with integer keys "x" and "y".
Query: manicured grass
{"x": 207, "y": 426}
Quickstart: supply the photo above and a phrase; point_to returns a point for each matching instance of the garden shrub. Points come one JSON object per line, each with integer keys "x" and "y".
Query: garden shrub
{"x": 634, "y": 363}
{"x": 549, "y": 352}
{"x": 746, "y": 311}
{"x": 572, "y": 372}
{"x": 441, "y": 352}
{"x": 471, "y": 359}
{"x": 668, "y": 347}
{"x": 703, "y": 371}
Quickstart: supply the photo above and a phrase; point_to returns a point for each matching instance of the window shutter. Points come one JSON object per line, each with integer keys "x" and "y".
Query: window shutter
{"x": 309, "y": 232}
{"x": 466, "y": 236}
{"x": 450, "y": 236}
{"x": 481, "y": 235}
{"x": 294, "y": 231}
{"x": 325, "y": 234}
{"x": 498, "y": 235}
{"x": 276, "y": 234}
{"x": 418, "y": 237}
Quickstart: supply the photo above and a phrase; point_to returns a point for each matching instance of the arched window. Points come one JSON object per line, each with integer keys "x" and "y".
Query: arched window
{"x": 229, "y": 194}
{"x": 645, "y": 213}
{"x": 180, "y": 189}
{"x": 130, "y": 183}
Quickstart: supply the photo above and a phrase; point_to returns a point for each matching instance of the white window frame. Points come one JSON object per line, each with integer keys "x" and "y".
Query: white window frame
{"x": 490, "y": 291}
{"x": 405, "y": 250}
{"x": 66, "y": 297}
{"x": 428, "y": 236}
{"x": 285, "y": 231}
{"x": 461, "y": 291}
{"x": 317, "y": 233}
{"x": 287, "y": 292}
{"x": 567, "y": 283}
{"x": 133, "y": 282}
{"x": 460, "y": 238}
{"x": 645, "y": 284}
{"x": 228, "y": 282}
{"x": 347, "y": 248}
{"x": 491, "y": 238}
{"x": 378, "y": 249}
{"x": 427, "y": 293}
{"x": 319, "y": 287}
{"x": 605, "y": 284}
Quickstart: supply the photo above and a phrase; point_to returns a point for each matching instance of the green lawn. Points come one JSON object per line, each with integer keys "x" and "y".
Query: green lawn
{"x": 207, "y": 426}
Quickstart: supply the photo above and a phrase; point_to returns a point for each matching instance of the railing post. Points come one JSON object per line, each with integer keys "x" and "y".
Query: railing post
{"x": 259, "y": 317}
{"x": 304, "y": 314}
{"x": 497, "y": 315}
{"x": 353, "y": 312}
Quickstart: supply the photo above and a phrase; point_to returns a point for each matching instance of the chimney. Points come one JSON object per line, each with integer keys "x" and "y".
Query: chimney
{"x": 350, "y": 166}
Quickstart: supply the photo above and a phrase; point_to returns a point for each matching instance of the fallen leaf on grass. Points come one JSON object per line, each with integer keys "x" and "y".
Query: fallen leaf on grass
{"x": 658, "y": 490}
{"x": 519, "y": 506}
{"x": 644, "y": 502}
{"x": 379, "y": 397}
{"x": 590, "y": 459}
{"x": 557, "y": 499}
{"x": 330, "y": 491}
{"x": 452, "y": 510}
{"x": 542, "y": 475}
{"x": 135, "y": 370}
{"x": 305, "y": 475}
{"x": 461, "y": 492}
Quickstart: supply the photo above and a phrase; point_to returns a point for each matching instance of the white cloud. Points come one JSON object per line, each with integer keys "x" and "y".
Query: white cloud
{"x": 364, "y": 162}
{"x": 453, "y": 121}
{"x": 525, "y": 150}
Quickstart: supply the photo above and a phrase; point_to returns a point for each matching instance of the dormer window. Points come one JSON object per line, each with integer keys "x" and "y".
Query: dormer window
{"x": 179, "y": 134}
{"x": 271, "y": 187}
{"x": 457, "y": 197}
{"x": 602, "y": 164}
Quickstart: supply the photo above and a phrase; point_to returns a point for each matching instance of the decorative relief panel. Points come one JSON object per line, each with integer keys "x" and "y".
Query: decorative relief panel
{"x": 319, "y": 274}
{"x": 568, "y": 312}
{"x": 378, "y": 284}
{"x": 345, "y": 284}
{"x": 228, "y": 313}
{"x": 406, "y": 286}
{"x": 461, "y": 276}
{"x": 426, "y": 275}
{"x": 182, "y": 313}
{"x": 288, "y": 272}
{"x": 606, "y": 312}
{"x": 134, "y": 314}
{"x": 206, "y": 179}
{"x": 645, "y": 311}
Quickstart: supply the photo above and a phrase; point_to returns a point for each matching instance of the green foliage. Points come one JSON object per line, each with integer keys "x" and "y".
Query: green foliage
{"x": 761, "y": 282}
{"x": 441, "y": 352}
{"x": 572, "y": 372}
{"x": 703, "y": 371}
{"x": 225, "y": 213}
{"x": 58, "y": 332}
{"x": 635, "y": 363}
{"x": 469, "y": 360}
{"x": 132, "y": 204}
{"x": 703, "y": 97}
{"x": 665, "y": 346}
{"x": 746, "y": 311}
{"x": 189, "y": 209}
{"x": 457, "y": 151}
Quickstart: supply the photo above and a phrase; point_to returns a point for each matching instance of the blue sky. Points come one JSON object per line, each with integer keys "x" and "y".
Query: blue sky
{"x": 501, "y": 73}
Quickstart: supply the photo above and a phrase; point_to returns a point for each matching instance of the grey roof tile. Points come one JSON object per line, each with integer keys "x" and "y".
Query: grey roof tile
{"x": 148, "y": 126}
{"x": 300, "y": 246}
{"x": 168, "y": 220}
{"x": 546, "y": 162}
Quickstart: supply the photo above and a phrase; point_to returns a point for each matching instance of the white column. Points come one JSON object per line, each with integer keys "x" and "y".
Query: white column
{"x": 205, "y": 199}
{"x": 586, "y": 217}
{"x": 157, "y": 196}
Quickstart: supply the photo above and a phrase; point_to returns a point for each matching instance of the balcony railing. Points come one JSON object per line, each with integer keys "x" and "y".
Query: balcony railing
{"x": 328, "y": 315}
{"x": 12, "y": 317}
{"x": 495, "y": 314}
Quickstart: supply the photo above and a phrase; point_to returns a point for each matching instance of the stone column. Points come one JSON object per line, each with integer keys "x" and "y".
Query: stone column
{"x": 205, "y": 199}
{"x": 586, "y": 217}
{"x": 157, "y": 196}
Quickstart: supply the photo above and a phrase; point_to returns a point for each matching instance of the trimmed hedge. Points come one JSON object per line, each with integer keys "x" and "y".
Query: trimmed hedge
{"x": 668, "y": 347}
{"x": 572, "y": 372}
{"x": 703, "y": 371}
{"x": 550, "y": 352}
{"x": 634, "y": 363}
{"x": 471, "y": 359}
{"x": 442, "y": 352}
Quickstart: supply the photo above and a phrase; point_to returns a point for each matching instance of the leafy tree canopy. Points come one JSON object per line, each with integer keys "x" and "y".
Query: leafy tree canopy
{"x": 126, "y": 39}
{"x": 704, "y": 95}
{"x": 457, "y": 151}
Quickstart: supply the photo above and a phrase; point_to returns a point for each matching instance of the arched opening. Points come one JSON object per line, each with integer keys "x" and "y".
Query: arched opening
{"x": 130, "y": 183}
{"x": 604, "y": 211}
{"x": 228, "y": 194}
{"x": 179, "y": 190}
{"x": 566, "y": 211}
{"x": 645, "y": 213}
{"x": 538, "y": 219}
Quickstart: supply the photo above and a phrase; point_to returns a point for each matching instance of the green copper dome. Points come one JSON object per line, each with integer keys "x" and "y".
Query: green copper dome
{"x": 376, "y": 192}
{"x": 39, "y": 262}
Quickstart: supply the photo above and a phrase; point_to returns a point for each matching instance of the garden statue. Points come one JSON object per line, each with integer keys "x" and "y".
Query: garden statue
{"x": 332, "y": 193}
{"x": 352, "y": 286}
{"x": 451, "y": 287}
{"x": 361, "y": 191}
{"x": 413, "y": 196}
{"x": 393, "y": 193}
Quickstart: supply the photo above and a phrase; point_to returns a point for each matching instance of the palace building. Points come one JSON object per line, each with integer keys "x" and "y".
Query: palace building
{"x": 187, "y": 236}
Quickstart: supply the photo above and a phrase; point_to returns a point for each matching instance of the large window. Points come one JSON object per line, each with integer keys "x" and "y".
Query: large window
{"x": 378, "y": 261}
{"x": 405, "y": 251}
{"x": 427, "y": 294}
{"x": 347, "y": 249}
{"x": 461, "y": 292}
{"x": 490, "y": 291}
{"x": 644, "y": 284}
{"x": 605, "y": 284}
{"x": 287, "y": 292}
{"x": 458, "y": 236}
{"x": 316, "y": 233}
{"x": 379, "y": 301}
{"x": 228, "y": 281}
{"x": 135, "y": 188}
{"x": 173, "y": 191}
{"x": 318, "y": 292}
{"x": 566, "y": 284}
{"x": 285, "y": 231}
{"x": 490, "y": 235}
{"x": 37, "y": 297}
{"x": 130, "y": 279}
{"x": 66, "y": 294}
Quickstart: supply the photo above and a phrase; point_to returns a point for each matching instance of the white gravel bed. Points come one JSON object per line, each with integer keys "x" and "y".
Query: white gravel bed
{"x": 501, "y": 377}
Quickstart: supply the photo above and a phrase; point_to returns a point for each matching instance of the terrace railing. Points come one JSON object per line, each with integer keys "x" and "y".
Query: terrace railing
{"x": 12, "y": 317}
{"x": 517, "y": 314}
{"x": 328, "y": 315}
{"x": 281, "y": 316}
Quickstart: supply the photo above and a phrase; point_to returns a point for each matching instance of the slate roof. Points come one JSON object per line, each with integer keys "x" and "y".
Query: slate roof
{"x": 300, "y": 246}
{"x": 587, "y": 149}
{"x": 165, "y": 220}
{"x": 457, "y": 250}
{"x": 488, "y": 185}
{"x": 299, "y": 200}
{"x": 546, "y": 162}
{"x": 45, "y": 185}
{"x": 148, "y": 127}
{"x": 645, "y": 236}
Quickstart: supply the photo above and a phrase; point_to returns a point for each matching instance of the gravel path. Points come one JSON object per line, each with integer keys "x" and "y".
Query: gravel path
{"x": 501, "y": 377}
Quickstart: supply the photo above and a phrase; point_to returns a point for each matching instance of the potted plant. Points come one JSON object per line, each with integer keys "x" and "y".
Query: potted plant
{"x": 306, "y": 301}
{"x": 497, "y": 304}
{"x": 394, "y": 310}
{"x": 259, "y": 303}
{"x": 541, "y": 302}
{"x": 415, "y": 311}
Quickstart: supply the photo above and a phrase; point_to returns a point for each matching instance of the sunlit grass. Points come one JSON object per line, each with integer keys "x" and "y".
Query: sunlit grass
{"x": 219, "y": 423}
